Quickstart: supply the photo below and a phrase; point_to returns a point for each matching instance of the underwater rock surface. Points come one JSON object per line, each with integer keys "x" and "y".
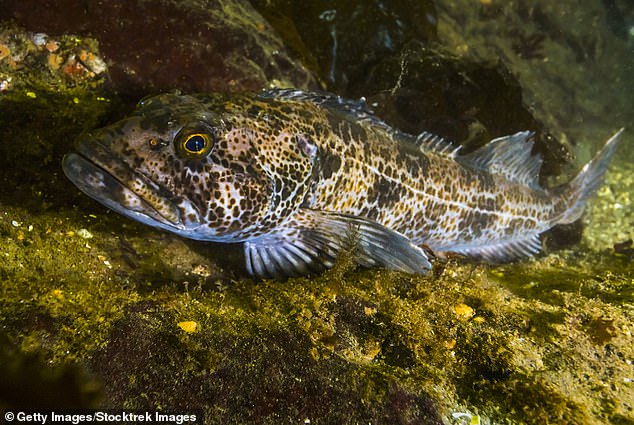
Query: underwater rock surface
{"x": 154, "y": 46}
{"x": 114, "y": 314}
{"x": 574, "y": 68}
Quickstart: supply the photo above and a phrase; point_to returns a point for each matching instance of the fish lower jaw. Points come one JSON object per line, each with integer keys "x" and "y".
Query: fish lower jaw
{"x": 98, "y": 183}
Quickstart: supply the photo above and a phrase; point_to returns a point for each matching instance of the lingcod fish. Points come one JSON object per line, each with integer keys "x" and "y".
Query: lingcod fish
{"x": 300, "y": 178}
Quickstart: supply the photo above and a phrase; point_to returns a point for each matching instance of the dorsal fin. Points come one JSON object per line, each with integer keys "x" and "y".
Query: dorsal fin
{"x": 508, "y": 156}
{"x": 430, "y": 142}
{"x": 350, "y": 110}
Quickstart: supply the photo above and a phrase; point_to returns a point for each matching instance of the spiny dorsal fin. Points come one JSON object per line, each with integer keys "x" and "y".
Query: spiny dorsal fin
{"x": 350, "y": 110}
{"x": 431, "y": 142}
{"x": 312, "y": 240}
{"x": 508, "y": 156}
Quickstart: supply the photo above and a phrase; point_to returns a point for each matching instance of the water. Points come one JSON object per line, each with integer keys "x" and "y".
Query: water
{"x": 88, "y": 295}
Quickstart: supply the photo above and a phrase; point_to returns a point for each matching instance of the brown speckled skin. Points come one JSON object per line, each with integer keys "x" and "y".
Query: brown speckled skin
{"x": 428, "y": 197}
{"x": 365, "y": 168}
{"x": 283, "y": 151}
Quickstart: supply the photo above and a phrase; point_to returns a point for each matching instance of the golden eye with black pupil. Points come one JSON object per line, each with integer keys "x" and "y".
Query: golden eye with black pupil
{"x": 194, "y": 142}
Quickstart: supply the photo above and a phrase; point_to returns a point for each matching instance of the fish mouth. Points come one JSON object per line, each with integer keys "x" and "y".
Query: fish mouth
{"x": 100, "y": 174}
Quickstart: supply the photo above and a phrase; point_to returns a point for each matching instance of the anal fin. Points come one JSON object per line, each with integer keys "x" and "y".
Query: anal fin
{"x": 312, "y": 240}
{"x": 503, "y": 251}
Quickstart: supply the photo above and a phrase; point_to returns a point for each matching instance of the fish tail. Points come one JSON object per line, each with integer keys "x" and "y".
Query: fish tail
{"x": 575, "y": 194}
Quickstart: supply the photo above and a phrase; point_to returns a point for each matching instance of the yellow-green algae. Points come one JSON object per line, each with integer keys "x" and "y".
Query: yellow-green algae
{"x": 550, "y": 340}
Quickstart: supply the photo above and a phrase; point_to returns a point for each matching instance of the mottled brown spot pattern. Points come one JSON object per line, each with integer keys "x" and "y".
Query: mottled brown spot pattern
{"x": 282, "y": 151}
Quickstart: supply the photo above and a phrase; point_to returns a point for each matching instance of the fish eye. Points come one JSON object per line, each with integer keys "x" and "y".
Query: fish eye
{"x": 194, "y": 144}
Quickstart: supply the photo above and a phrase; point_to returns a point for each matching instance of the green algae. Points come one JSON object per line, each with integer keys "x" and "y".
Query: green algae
{"x": 385, "y": 345}
{"x": 45, "y": 293}
{"x": 531, "y": 352}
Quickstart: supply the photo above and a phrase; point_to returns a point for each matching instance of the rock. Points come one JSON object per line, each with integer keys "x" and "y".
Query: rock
{"x": 166, "y": 45}
{"x": 340, "y": 40}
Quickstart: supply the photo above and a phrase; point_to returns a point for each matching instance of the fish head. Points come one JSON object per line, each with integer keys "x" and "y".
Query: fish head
{"x": 189, "y": 165}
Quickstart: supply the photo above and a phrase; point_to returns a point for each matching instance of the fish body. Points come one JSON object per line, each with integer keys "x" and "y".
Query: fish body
{"x": 300, "y": 177}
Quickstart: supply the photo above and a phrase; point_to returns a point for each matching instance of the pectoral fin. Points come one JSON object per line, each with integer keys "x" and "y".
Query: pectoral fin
{"x": 312, "y": 240}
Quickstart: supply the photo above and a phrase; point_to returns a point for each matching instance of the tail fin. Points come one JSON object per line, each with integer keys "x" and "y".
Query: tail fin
{"x": 575, "y": 194}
